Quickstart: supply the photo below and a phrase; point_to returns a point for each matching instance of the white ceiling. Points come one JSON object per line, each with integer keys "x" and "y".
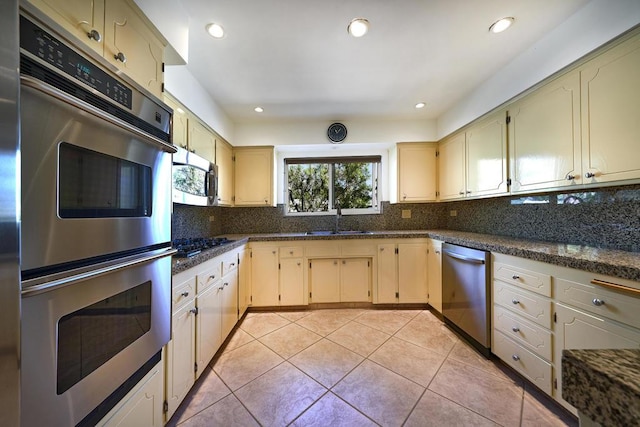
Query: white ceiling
{"x": 295, "y": 59}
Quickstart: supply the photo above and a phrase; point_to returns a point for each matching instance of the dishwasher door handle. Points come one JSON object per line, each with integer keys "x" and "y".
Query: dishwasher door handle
{"x": 464, "y": 258}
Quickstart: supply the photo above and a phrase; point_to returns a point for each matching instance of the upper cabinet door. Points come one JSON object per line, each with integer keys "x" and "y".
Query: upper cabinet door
{"x": 224, "y": 160}
{"x": 417, "y": 172}
{"x": 201, "y": 140}
{"x": 544, "y": 136}
{"x": 487, "y": 156}
{"x": 180, "y": 122}
{"x": 610, "y": 90}
{"x": 132, "y": 46}
{"x": 254, "y": 176}
{"x": 83, "y": 18}
{"x": 451, "y": 167}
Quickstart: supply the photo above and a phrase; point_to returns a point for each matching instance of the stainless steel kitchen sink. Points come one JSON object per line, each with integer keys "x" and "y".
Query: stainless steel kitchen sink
{"x": 330, "y": 232}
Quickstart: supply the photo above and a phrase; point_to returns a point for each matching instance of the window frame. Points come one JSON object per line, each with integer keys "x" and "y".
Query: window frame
{"x": 376, "y": 173}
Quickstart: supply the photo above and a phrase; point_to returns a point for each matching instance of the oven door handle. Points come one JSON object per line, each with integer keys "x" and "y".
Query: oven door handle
{"x": 46, "y": 286}
{"x": 58, "y": 94}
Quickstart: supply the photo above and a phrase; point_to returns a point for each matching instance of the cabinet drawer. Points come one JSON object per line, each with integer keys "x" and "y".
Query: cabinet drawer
{"x": 358, "y": 250}
{"x": 526, "y": 279}
{"x": 291, "y": 252}
{"x": 182, "y": 293}
{"x": 328, "y": 250}
{"x": 229, "y": 262}
{"x": 209, "y": 277}
{"x": 525, "y": 333}
{"x": 531, "y": 306}
{"x": 522, "y": 360}
{"x": 614, "y": 305}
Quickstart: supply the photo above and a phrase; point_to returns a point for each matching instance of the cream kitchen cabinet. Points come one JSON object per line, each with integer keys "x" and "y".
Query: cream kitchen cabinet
{"x": 486, "y": 156}
{"x": 209, "y": 312}
{"x": 544, "y": 137}
{"x": 118, "y": 31}
{"x": 180, "y": 121}
{"x": 434, "y": 273}
{"x": 416, "y": 172}
{"x": 576, "y": 329}
{"x": 402, "y": 273}
{"x": 474, "y": 163}
{"x": 264, "y": 275}
{"x": 244, "y": 280}
{"x": 610, "y": 107}
{"x": 451, "y": 170}
{"x": 291, "y": 276}
{"x": 224, "y": 161}
{"x": 201, "y": 140}
{"x": 254, "y": 176}
{"x": 229, "y": 293}
{"x": 340, "y": 280}
{"x": 142, "y": 406}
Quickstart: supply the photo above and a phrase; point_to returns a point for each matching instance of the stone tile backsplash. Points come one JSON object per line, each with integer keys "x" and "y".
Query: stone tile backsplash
{"x": 606, "y": 217}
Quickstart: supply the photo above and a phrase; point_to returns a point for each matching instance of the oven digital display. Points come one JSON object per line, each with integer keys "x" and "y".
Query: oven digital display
{"x": 49, "y": 49}
{"x": 88, "y": 338}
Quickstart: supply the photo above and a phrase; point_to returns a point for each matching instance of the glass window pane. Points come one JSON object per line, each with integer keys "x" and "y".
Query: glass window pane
{"x": 353, "y": 185}
{"x": 308, "y": 187}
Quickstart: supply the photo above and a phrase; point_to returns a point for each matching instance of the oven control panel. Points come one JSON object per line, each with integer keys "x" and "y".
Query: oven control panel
{"x": 49, "y": 49}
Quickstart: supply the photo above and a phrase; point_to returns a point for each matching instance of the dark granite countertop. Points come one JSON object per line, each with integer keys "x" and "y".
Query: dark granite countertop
{"x": 604, "y": 385}
{"x": 608, "y": 262}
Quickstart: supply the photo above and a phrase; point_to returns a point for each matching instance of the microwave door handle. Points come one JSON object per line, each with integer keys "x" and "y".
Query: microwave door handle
{"x": 212, "y": 190}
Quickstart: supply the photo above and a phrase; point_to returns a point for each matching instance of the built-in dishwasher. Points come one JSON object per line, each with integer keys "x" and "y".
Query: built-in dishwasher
{"x": 466, "y": 294}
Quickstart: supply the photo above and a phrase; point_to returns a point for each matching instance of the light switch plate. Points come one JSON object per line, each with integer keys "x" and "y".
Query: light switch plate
{"x": 453, "y": 213}
{"x": 211, "y": 218}
{"x": 406, "y": 213}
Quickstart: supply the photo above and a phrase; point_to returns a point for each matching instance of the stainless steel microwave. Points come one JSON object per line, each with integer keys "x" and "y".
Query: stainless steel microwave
{"x": 195, "y": 179}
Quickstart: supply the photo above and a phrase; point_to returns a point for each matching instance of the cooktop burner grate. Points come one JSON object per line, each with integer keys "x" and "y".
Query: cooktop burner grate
{"x": 193, "y": 246}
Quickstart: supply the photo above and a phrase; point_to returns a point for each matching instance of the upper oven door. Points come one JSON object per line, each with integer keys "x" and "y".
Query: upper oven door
{"x": 92, "y": 186}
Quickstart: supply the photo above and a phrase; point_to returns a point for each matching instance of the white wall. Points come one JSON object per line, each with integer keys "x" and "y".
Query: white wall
{"x": 593, "y": 25}
{"x": 172, "y": 21}
{"x": 315, "y": 132}
{"x": 183, "y": 86}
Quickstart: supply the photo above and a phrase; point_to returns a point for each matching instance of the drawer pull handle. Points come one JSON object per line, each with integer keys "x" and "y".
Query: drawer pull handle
{"x": 515, "y": 277}
{"x": 212, "y": 277}
{"x": 615, "y": 286}
{"x": 290, "y": 252}
{"x": 515, "y": 357}
{"x": 515, "y": 301}
{"x": 598, "y": 302}
{"x": 185, "y": 294}
{"x": 232, "y": 264}
{"x": 225, "y": 284}
{"x": 515, "y": 329}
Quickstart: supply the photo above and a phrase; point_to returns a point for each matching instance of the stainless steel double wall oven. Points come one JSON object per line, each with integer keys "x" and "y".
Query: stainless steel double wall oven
{"x": 96, "y": 229}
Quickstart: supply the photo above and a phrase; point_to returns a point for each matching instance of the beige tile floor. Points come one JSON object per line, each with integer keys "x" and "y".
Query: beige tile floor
{"x": 358, "y": 367}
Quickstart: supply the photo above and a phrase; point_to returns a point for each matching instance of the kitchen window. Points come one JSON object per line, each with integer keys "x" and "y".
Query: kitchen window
{"x": 322, "y": 185}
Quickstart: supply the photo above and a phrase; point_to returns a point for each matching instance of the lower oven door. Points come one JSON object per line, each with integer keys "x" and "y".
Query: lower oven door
{"x": 84, "y": 336}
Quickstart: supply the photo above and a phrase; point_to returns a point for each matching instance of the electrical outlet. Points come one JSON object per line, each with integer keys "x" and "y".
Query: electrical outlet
{"x": 211, "y": 218}
{"x": 453, "y": 213}
{"x": 406, "y": 213}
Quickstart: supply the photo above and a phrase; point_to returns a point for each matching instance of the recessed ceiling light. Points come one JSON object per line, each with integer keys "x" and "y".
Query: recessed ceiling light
{"x": 258, "y": 109}
{"x": 358, "y": 27}
{"x": 420, "y": 105}
{"x": 501, "y": 24}
{"x": 215, "y": 30}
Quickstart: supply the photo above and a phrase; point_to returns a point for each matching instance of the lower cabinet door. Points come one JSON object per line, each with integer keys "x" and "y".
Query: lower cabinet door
{"x": 412, "y": 272}
{"x": 208, "y": 325}
{"x": 355, "y": 280}
{"x": 324, "y": 280}
{"x": 264, "y": 276}
{"x": 181, "y": 356}
{"x": 578, "y": 330}
{"x": 229, "y": 313}
{"x": 291, "y": 281}
{"x": 387, "y": 274}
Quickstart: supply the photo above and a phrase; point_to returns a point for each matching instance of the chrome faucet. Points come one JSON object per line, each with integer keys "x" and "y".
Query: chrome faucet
{"x": 338, "y": 215}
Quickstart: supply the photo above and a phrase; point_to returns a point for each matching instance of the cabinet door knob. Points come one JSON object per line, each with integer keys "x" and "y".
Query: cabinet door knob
{"x": 598, "y": 302}
{"x": 515, "y": 329}
{"x": 381, "y": 249}
{"x": 468, "y": 191}
{"x": 94, "y": 35}
{"x": 515, "y": 357}
{"x": 461, "y": 193}
{"x": 185, "y": 294}
{"x": 194, "y": 310}
{"x": 515, "y": 277}
{"x": 438, "y": 252}
{"x": 290, "y": 252}
{"x": 232, "y": 264}
{"x": 515, "y": 301}
{"x": 589, "y": 175}
{"x": 120, "y": 57}
{"x": 225, "y": 284}
{"x": 298, "y": 264}
{"x": 212, "y": 277}
{"x": 570, "y": 177}
{"x": 266, "y": 202}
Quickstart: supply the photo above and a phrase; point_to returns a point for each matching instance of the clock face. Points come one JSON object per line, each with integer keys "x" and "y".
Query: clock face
{"x": 337, "y": 132}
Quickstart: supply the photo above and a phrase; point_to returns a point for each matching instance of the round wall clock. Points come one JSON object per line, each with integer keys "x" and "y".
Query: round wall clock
{"x": 337, "y": 132}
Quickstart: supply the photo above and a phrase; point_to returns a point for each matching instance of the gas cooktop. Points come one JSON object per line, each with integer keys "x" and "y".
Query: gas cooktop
{"x": 193, "y": 246}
